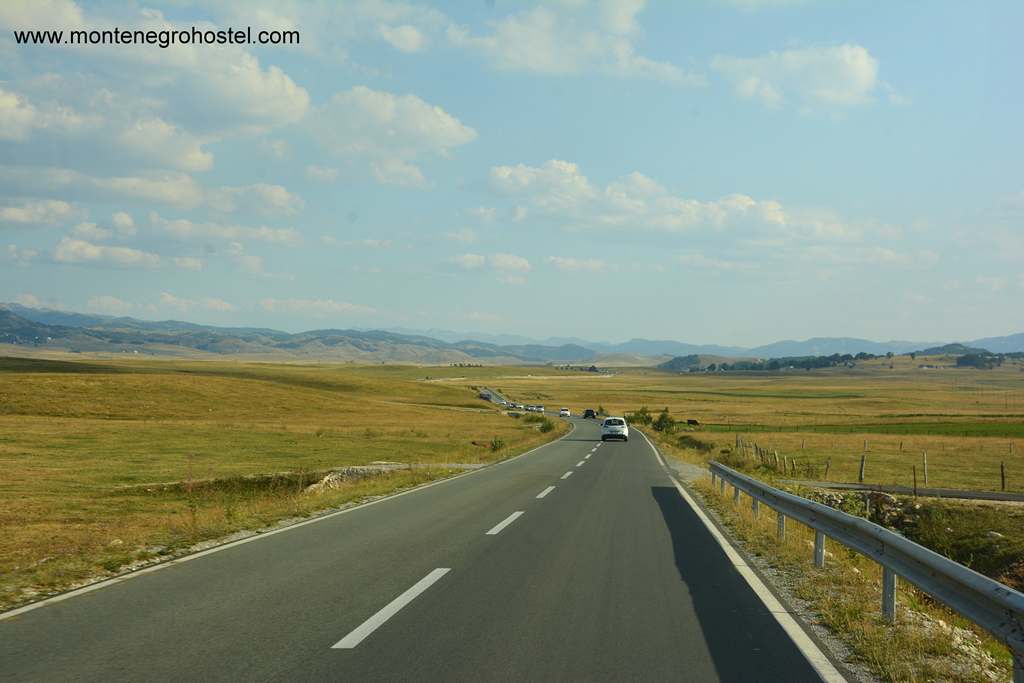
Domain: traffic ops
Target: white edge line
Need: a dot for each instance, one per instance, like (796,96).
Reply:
(808,648)
(567,474)
(258,536)
(587,456)
(391,609)
(546,491)
(581,462)
(496,529)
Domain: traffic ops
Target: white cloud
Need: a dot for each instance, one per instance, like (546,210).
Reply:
(485,214)
(30,300)
(321,174)
(509,262)
(992,283)
(570,38)
(165,144)
(397,172)
(390,131)
(91,231)
(175,189)
(123,223)
(466,236)
(559,190)
(20,256)
(841,75)
(405,37)
(185,305)
(315,307)
(366,242)
(17,117)
(188,263)
(110,305)
(70,250)
(41,212)
(570,264)
(470,261)
(186,229)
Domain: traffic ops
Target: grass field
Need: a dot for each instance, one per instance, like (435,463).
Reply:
(967,421)
(86,448)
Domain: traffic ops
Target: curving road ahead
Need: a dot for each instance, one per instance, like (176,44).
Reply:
(578,561)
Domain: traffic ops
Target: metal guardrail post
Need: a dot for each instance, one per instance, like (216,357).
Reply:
(888,594)
(754,506)
(782,527)
(1018,666)
(819,549)
(735,494)
(721,485)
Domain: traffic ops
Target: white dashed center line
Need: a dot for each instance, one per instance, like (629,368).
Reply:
(587,456)
(580,463)
(546,491)
(504,523)
(392,608)
(567,474)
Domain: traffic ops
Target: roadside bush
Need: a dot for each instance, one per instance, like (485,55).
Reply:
(546,425)
(641,417)
(534,418)
(664,423)
(496,445)
(601,410)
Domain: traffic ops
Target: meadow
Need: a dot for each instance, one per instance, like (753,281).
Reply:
(967,421)
(108,463)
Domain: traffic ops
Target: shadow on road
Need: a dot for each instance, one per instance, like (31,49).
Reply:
(744,639)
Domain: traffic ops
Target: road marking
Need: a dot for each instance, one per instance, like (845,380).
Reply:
(546,491)
(390,610)
(587,456)
(258,536)
(567,474)
(580,463)
(504,523)
(808,648)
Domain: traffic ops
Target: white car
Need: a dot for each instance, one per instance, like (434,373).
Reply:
(614,428)
(564,412)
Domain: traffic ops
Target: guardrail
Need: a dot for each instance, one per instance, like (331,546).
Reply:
(997,608)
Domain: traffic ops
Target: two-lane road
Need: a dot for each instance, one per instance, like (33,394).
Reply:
(579,561)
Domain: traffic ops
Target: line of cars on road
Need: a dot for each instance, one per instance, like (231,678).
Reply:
(611,427)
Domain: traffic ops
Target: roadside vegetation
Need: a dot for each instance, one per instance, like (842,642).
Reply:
(110,463)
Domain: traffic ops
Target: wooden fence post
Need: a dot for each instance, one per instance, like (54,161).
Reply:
(925,456)
(915,481)
(828,464)
(863,457)
(1002,476)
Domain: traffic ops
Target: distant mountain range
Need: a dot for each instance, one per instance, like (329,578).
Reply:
(70,331)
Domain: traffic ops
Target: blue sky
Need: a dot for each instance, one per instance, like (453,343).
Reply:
(710,171)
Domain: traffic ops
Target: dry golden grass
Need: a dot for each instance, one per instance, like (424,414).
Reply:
(846,595)
(824,416)
(80,442)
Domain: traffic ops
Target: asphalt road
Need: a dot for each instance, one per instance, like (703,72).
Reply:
(609,576)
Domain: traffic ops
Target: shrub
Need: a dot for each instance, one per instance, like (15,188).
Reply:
(664,423)
(496,445)
(687,441)
(546,425)
(641,417)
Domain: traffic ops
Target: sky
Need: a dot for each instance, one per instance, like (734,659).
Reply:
(727,171)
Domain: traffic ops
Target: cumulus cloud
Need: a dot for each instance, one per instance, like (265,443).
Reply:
(509,263)
(389,131)
(559,190)
(20,256)
(466,236)
(188,263)
(38,212)
(183,228)
(470,261)
(91,231)
(71,250)
(162,187)
(842,75)
(315,307)
(123,223)
(571,38)
(571,264)
(703,262)
(404,37)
